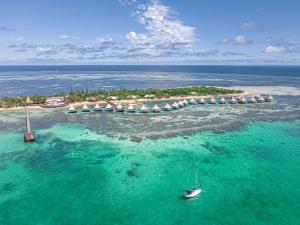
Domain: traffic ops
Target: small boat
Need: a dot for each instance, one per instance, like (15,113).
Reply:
(193,192)
(120,108)
(167,107)
(180,103)
(252,100)
(97,108)
(185,102)
(144,109)
(131,109)
(72,109)
(155,109)
(85,108)
(109,108)
(192,101)
(212,101)
(242,100)
(202,101)
(269,98)
(232,100)
(260,99)
(222,101)
(175,105)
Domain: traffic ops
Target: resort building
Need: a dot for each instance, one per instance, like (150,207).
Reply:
(155,109)
(120,108)
(131,108)
(167,107)
(97,107)
(144,109)
(72,109)
(85,108)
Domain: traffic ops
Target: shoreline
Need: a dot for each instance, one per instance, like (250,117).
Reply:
(124,102)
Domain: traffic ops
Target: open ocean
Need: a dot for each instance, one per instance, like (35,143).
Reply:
(113,168)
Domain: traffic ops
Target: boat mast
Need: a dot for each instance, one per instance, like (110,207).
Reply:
(196,178)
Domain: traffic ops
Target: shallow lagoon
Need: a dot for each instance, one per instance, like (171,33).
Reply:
(72,175)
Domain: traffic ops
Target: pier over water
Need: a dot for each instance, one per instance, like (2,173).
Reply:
(29,136)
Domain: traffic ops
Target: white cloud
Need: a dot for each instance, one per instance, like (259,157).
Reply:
(275,49)
(64,36)
(241,40)
(248,25)
(225,40)
(127,2)
(164,31)
(20,39)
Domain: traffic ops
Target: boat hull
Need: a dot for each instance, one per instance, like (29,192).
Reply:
(193,193)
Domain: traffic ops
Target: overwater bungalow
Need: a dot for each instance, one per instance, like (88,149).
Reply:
(167,107)
(202,101)
(144,109)
(212,101)
(269,98)
(260,99)
(120,108)
(185,102)
(180,104)
(252,100)
(192,101)
(232,100)
(155,109)
(109,108)
(175,105)
(85,108)
(72,109)
(222,101)
(97,108)
(131,109)
(242,100)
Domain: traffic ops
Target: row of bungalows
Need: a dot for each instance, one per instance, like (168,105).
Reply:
(170,106)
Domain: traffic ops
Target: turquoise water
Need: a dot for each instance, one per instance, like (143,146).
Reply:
(74,175)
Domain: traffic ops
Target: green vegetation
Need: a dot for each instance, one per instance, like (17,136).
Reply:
(77,96)
(8,102)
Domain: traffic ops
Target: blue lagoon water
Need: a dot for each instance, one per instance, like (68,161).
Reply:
(112,168)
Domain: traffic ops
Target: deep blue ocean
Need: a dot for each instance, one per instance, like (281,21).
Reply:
(49,80)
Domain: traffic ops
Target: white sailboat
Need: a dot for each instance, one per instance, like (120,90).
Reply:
(193,192)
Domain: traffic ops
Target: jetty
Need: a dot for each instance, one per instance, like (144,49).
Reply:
(29,136)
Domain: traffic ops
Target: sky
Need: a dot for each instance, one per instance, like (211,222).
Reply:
(150,32)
